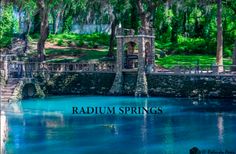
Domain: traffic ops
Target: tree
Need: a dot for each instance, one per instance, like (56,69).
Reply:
(219,52)
(234,57)
(43,6)
(117,9)
(147,10)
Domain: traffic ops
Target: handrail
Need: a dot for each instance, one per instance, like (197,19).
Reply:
(19,69)
(28,69)
(200,69)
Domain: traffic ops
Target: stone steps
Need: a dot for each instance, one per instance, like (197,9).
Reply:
(8,90)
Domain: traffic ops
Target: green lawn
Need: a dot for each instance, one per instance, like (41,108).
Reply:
(51,52)
(188,60)
(81,40)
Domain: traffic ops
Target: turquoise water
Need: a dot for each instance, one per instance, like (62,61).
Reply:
(47,126)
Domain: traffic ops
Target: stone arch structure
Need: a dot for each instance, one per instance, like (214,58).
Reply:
(130,58)
(28,90)
(145,59)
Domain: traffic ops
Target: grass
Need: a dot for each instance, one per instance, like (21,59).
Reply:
(52,52)
(188,60)
(192,46)
(74,42)
(80,40)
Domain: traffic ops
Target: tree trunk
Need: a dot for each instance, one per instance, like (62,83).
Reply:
(174,25)
(28,24)
(219,52)
(56,19)
(134,16)
(44,29)
(36,23)
(184,23)
(112,38)
(234,54)
(234,58)
(56,26)
(174,32)
(143,15)
(20,19)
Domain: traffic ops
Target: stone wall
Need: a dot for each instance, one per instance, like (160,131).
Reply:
(77,84)
(158,85)
(192,86)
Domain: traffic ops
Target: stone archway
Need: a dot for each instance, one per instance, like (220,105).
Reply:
(29,90)
(130,55)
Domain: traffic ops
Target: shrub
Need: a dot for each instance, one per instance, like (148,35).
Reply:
(61,43)
(80,43)
(228,52)
(5,41)
(97,39)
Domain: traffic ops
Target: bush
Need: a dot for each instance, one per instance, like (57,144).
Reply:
(5,41)
(80,43)
(228,52)
(35,36)
(91,40)
(61,43)
(191,46)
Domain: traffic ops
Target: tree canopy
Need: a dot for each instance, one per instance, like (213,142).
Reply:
(181,26)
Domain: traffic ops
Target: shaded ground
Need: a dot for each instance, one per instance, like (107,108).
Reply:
(56,53)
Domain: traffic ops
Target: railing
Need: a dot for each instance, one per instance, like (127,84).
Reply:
(16,69)
(28,69)
(199,69)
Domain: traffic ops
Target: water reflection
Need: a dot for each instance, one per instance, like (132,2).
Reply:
(53,119)
(220,126)
(48,126)
(4,131)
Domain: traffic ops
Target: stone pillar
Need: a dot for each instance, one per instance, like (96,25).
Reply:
(153,50)
(116,88)
(141,85)
(151,66)
(23,65)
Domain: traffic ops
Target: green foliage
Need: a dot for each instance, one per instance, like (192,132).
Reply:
(181,27)
(68,24)
(35,36)
(53,52)
(191,46)
(6,25)
(61,42)
(5,41)
(81,40)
